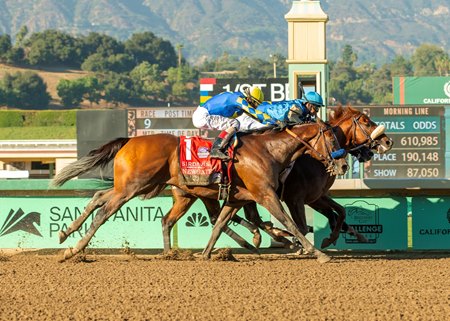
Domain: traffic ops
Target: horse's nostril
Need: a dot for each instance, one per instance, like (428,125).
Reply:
(344,168)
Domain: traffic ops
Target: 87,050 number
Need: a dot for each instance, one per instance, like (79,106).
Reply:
(422,172)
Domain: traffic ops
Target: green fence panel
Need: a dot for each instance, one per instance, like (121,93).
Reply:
(194,229)
(431,223)
(34,222)
(383,221)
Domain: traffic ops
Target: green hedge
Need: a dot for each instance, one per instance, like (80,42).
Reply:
(11,118)
(22,118)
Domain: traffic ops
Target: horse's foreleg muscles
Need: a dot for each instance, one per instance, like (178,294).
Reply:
(103,214)
(224,217)
(182,203)
(97,200)
(273,205)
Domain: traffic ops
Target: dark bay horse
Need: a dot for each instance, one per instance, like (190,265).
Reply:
(308,182)
(145,165)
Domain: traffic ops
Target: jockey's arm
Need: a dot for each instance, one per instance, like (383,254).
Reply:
(254,113)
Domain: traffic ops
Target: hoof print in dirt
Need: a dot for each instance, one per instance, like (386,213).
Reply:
(178,255)
(224,255)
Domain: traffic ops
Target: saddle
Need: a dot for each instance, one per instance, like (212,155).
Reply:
(198,169)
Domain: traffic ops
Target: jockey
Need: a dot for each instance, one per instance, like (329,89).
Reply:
(294,111)
(220,113)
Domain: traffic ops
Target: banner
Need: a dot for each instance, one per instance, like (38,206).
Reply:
(421,90)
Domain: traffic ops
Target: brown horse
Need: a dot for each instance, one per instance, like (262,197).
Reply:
(308,182)
(145,165)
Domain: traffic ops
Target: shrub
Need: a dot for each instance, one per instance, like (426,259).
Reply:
(11,118)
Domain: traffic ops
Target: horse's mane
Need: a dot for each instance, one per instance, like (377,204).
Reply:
(339,112)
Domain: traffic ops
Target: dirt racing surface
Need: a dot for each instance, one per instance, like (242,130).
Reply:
(386,286)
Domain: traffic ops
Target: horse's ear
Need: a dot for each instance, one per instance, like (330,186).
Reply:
(332,114)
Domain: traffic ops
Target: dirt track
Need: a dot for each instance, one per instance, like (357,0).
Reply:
(394,286)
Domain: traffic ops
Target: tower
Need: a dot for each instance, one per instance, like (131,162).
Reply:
(307,57)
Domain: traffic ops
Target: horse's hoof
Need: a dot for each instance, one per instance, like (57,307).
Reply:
(257,240)
(267,225)
(325,243)
(62,236)
(68,253)
(323,258)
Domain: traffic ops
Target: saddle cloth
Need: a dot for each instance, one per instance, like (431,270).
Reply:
(196,168)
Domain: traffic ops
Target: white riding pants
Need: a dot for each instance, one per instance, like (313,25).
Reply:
(202,119)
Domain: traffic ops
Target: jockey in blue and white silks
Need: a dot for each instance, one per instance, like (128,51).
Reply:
(234,111)
(293,111)
(228,112)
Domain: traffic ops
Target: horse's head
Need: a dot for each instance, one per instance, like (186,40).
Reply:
(360,132)
(322,144)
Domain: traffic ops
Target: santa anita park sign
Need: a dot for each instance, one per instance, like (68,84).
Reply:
(34,222)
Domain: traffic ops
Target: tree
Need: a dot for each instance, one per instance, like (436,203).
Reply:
(148,81)
(96,63)
(146,46)
(118,88)
(424,59)
(442,64)
(5,47)
(71,92)
(25,90)
(401,67)
(101,44)
(20,37)
(53,47)
(92,89)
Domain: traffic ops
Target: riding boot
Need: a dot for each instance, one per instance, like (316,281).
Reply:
(219,145)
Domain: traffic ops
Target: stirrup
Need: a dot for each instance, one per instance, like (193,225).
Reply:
(224,192)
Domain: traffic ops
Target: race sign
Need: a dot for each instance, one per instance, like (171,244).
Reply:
(274,89)
(170,120)
(418,133)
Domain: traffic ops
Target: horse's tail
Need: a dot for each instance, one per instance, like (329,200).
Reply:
(97,157)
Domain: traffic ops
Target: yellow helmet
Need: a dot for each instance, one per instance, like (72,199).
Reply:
(255,93)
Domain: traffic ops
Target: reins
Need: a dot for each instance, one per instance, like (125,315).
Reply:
(328,160)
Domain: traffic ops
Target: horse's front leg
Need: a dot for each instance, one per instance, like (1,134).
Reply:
(271,202)
(213,208)
(278,235)
(182,203)
(224,217)
(328,207)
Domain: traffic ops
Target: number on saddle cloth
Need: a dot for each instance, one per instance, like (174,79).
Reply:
(196,167)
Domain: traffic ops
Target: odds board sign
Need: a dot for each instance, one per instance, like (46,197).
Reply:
(274,89)
(419,136)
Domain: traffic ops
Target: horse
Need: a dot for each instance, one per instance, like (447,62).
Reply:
(308,182)
(145,165)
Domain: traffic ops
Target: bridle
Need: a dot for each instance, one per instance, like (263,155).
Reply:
(370,141)
(328,160)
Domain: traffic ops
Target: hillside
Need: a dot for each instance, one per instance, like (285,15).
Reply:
(377,30)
